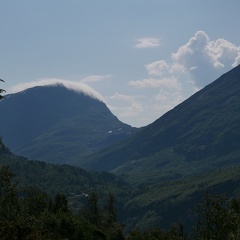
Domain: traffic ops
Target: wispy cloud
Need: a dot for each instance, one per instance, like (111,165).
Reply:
(126,105)
(147,42)
(167,99)
(133,109)
(96,78)
(169,83)
(124,97)
(75,86)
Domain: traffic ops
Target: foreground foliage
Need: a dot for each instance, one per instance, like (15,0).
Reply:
(29,213)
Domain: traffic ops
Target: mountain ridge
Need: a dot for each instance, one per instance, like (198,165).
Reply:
(202,127)
(53,123)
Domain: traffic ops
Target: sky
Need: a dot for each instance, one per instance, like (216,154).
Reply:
(141,57)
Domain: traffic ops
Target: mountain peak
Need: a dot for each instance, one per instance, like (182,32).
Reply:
(75,86)
(54,123)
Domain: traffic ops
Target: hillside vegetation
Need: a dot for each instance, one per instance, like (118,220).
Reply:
(140,205)
(27,212)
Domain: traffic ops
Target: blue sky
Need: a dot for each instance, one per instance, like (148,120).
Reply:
(141,57)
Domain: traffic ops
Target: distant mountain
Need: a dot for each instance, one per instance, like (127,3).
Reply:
(53,124)
(200,134)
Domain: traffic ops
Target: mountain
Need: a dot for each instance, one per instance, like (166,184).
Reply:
(166,166)
(200,134)
(53,124)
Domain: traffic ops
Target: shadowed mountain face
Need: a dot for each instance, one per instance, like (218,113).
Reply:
(54,124)
(200,133)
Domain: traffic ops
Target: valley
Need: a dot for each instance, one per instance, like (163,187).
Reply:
(158,173)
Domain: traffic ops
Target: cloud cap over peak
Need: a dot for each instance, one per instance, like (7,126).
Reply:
(75,86)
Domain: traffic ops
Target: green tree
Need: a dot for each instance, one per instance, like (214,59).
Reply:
(9,202)
(59,204)
(2,146)
(109,214)
(1,97)
(218,218)
(33,201)
(93,208)
(2,91)
(109,222)
(110,208)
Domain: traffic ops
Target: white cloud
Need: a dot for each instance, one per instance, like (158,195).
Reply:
(133,109)
(205,60)
(125,105)
(126,111)
(75,86)
(166,100)
(147,42)
(237,59)
(169,83)
(96,78)
(160,68)
(201,60)
(124,97)
(195,64)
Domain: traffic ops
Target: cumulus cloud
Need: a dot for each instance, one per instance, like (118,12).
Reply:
(147,42)
(160,68)
(195,64)
(201,60)
(75,86)
(206,59)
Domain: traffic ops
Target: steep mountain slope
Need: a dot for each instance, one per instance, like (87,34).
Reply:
(201,133)
(53,123)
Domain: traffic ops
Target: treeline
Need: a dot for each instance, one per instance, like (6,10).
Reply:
(29,213)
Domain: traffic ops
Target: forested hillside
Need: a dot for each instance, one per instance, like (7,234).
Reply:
(139,206)
(30,213)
